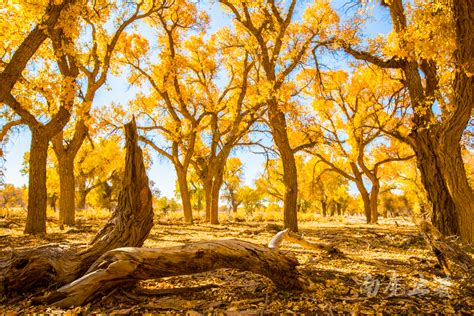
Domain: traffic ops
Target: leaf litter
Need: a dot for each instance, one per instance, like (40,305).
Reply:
(384,269)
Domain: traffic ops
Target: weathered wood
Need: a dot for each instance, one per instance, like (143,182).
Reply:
(276,241)
(129,225)
(120,266)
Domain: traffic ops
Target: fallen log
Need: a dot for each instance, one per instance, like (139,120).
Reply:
(54,265)
(121,266)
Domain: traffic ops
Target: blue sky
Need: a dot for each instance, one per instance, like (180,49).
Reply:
(162,171)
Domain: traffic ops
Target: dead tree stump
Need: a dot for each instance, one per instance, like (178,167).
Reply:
(129,225)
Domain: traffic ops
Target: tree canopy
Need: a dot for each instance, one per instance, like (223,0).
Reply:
(338,114)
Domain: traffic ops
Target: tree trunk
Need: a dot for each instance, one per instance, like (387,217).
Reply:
(444,210)
(66,152)
(455,173)
(290,177)
(443,177)
(129,225)
(185,196)
(213,181)
(37,192)
(374,196)
(199,203)
(216,188)
(235,207)
(324,208)
(233,201)
(214,219)
(365,199)
(459,188)
(208,198)
(66,190)
(442,174)
(82,193)
(120,266)
(437,145)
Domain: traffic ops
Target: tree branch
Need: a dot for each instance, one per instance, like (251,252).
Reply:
(394,62)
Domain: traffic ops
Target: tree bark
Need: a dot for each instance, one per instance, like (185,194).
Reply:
(185,196)
(444,216)
(207,185)
(212,175)
(459,188)
(233,201)
(443,177)
(67,211)
(120,266)
(216,188)
(129,225)
(371,174)
(82,193)
(324,208)
(365,198)
(37,192)
(66,154)
(290,179)
(199,204)
(374,196)
(456,179)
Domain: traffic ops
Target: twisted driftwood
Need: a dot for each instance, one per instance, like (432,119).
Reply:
(124,266)
(121,266)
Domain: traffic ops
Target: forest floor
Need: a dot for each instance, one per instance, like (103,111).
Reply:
(384,269)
